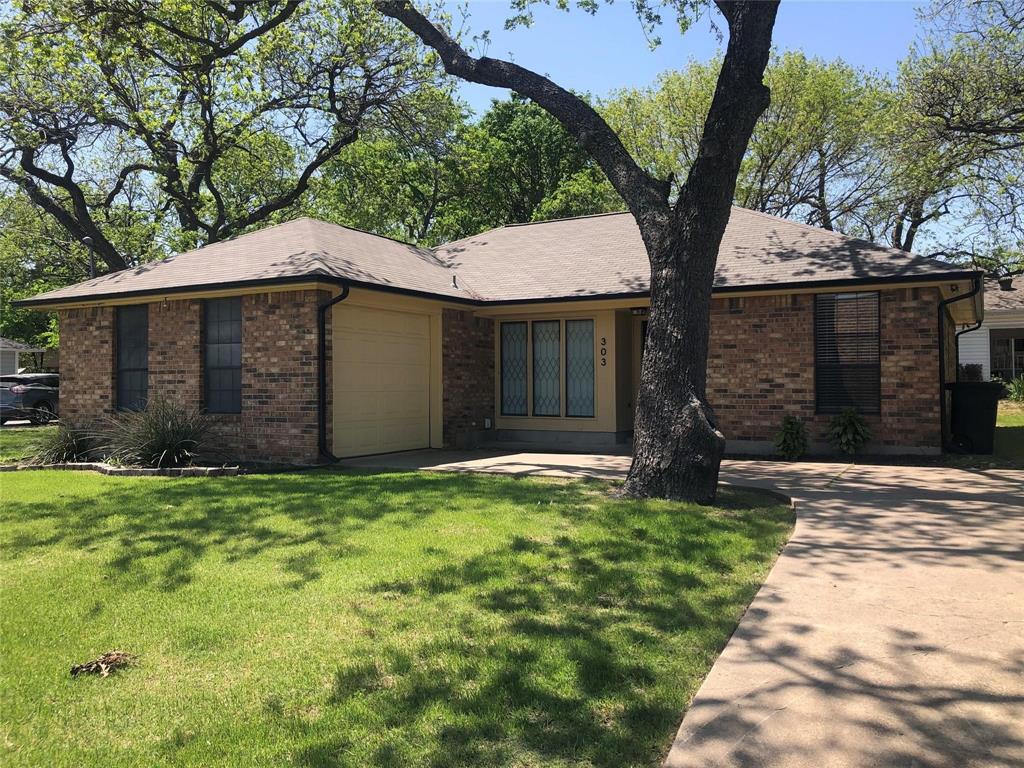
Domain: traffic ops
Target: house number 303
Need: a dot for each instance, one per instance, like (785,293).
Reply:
(604,351)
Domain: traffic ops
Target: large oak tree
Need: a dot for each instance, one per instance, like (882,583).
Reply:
(677,445)
(208,118)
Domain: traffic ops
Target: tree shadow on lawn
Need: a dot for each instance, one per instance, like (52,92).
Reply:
(572,650)
(179,522)
(582,645)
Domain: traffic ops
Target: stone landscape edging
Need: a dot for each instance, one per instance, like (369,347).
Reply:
(110,469)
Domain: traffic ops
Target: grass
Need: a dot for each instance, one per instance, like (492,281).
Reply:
(340,619)
(20,443)
(1009,443)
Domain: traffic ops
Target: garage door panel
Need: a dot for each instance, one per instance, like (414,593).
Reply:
(381,381)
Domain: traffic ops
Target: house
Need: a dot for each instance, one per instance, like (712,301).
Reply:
(997,345)
(310,339)
(10,351)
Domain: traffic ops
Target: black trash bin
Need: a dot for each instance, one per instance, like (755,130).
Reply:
(973,414)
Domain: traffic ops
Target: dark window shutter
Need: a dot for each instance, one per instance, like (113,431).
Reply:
(847,361)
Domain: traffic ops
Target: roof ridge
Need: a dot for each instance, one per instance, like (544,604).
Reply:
(812,228)
(563,218)
(367,232)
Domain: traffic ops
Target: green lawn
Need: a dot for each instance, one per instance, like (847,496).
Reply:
(19,443)
(336,619)
(1009,444)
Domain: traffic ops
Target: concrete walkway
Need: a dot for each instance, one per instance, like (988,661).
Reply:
(889,633)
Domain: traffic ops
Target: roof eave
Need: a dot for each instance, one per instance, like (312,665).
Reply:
(41,303)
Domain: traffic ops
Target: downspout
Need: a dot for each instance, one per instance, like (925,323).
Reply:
(322,311)
(943,303)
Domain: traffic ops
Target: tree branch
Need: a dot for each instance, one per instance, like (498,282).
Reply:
(646,196)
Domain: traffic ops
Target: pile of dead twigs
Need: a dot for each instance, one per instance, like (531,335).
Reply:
(104,664)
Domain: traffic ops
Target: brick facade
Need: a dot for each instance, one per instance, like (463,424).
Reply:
(761,368)
(278,421)
(87,365)
(467,352)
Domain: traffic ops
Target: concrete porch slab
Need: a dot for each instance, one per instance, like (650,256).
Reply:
(570,465)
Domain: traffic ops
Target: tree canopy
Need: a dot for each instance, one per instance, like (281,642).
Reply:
(206,119)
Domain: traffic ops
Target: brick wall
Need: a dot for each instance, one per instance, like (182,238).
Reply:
(467,350)
(761,367)
(87,365)
(175,357)
(278,421)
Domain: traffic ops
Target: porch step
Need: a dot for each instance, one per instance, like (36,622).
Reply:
(530,447)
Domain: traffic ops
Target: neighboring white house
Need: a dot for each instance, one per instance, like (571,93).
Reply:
(998,345)
(9,351)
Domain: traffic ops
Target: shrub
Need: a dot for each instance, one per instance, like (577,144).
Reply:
(65,445)
(161,435)
(1015,390)
(847,432)
(970,372)
(791,441)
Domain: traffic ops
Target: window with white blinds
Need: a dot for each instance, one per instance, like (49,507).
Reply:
(847,361)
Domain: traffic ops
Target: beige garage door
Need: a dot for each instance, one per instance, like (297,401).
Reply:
(381,381)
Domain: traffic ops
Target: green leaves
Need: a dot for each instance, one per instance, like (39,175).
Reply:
(207,118)
(453,178)
(848,432)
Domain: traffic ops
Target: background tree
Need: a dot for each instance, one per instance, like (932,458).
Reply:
(963,85)
(205,117)
(813,155)
(677,446)
(451,177)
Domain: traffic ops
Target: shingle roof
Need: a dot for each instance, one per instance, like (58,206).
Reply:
(588,256)
(999,300)
(604,254)
(303,249)
(17,346)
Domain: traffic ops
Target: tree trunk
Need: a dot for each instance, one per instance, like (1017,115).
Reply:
(677,446)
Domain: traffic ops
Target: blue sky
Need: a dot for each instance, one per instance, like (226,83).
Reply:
(597,54)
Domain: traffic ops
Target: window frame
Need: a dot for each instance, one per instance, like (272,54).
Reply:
(501,369)
(819,367)
(563,384)
(234,301)
(122,322)
(593,366)
(560,374)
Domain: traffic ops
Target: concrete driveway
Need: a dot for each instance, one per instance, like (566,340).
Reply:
(889,633)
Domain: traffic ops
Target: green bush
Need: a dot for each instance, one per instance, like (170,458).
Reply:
(65,445)
(1015,390)
(791,441)
(161,435)
(847,432)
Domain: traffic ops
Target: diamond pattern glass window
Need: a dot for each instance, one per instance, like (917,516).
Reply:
(513,369)
(222,355)
(132,357)
(579,367)
(547,400)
